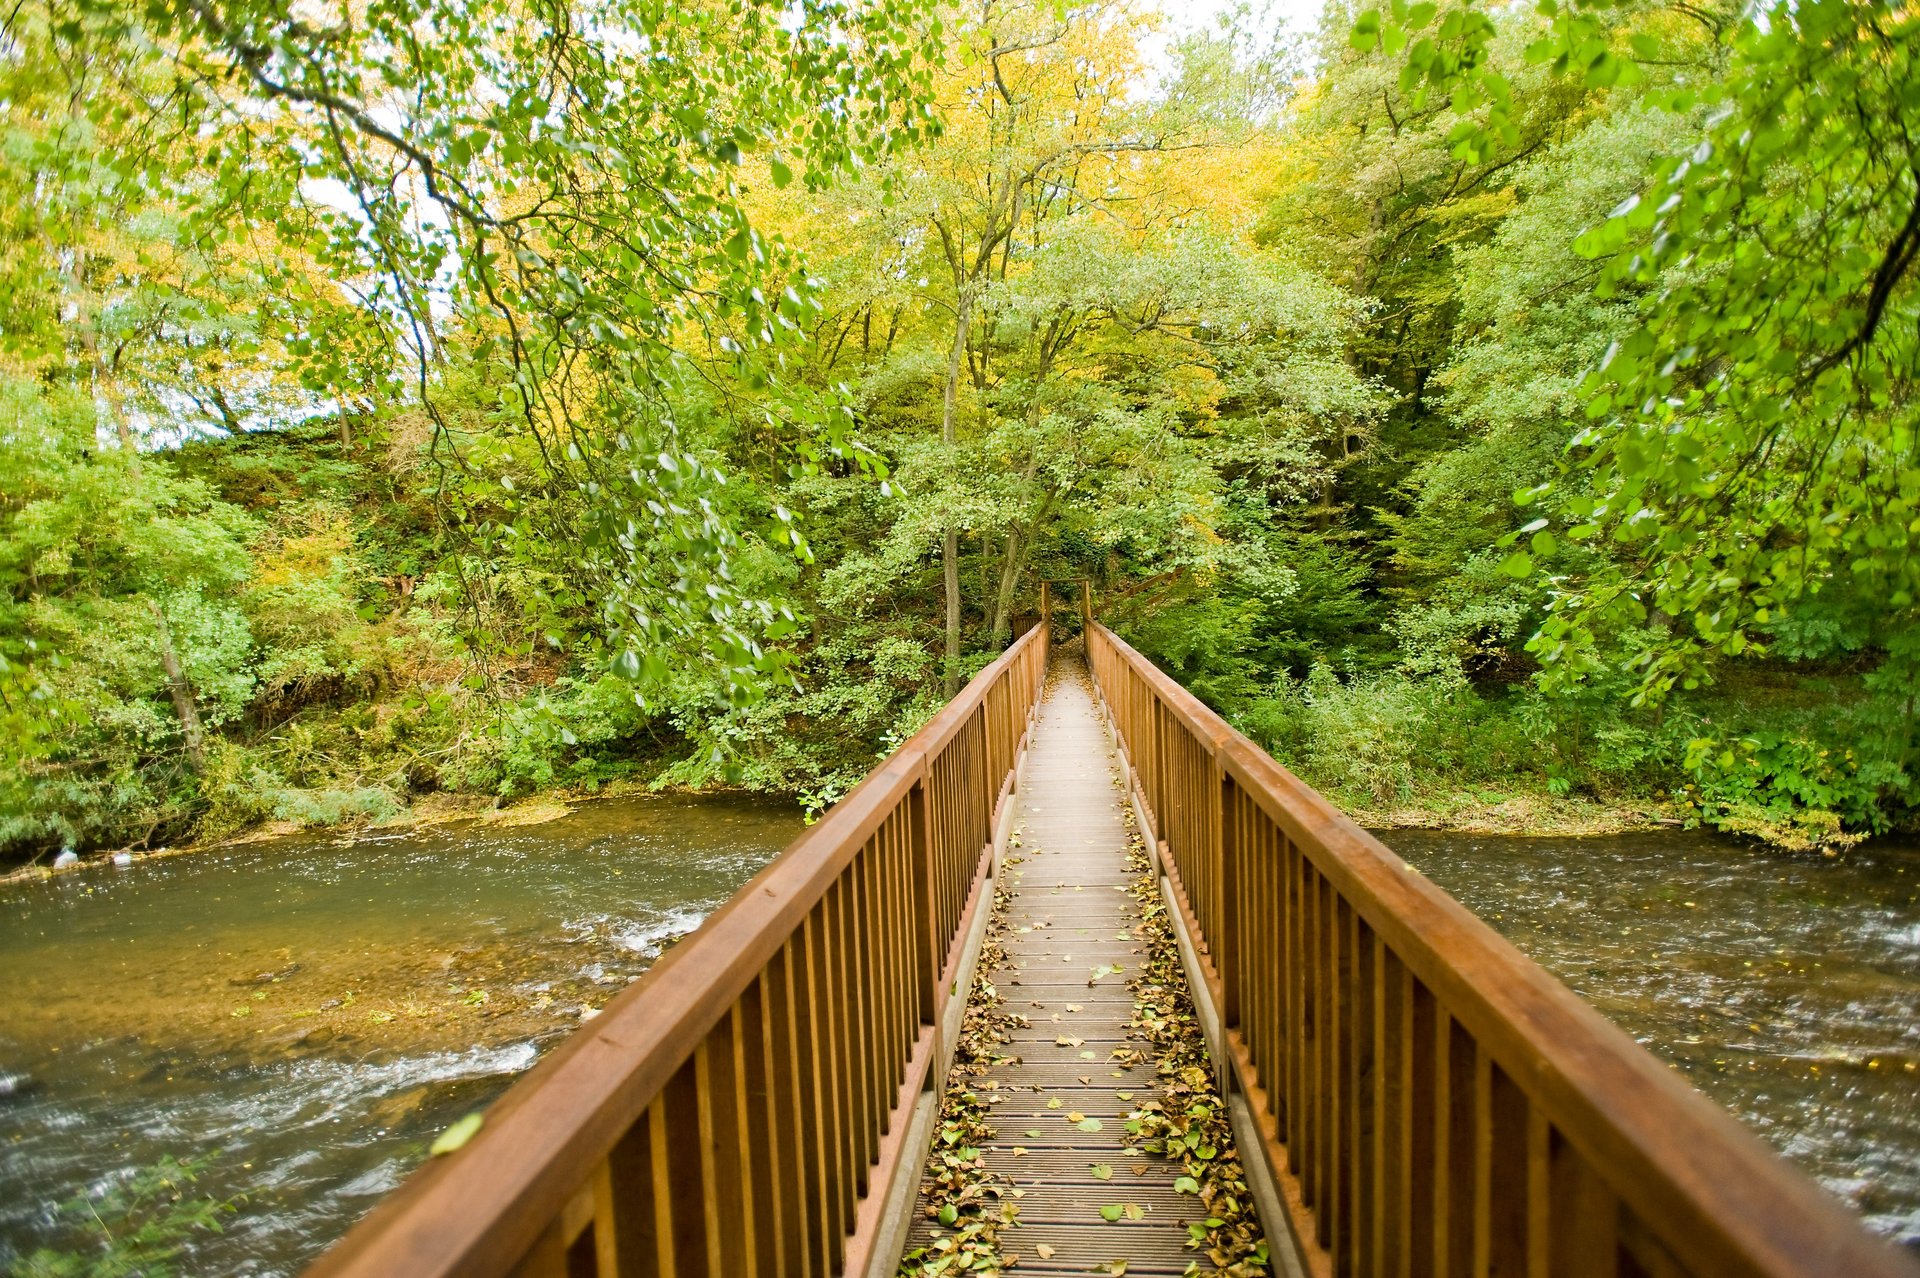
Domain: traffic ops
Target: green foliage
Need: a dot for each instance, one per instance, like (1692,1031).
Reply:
(136,1226)
(105,562)
(444,401)
(1748,455)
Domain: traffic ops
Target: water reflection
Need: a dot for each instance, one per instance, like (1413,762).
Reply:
(312,1012)
(1785,987)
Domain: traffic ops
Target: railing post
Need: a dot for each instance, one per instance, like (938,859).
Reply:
(1226,949)
(1086,603)
(926,895)
(1046,603)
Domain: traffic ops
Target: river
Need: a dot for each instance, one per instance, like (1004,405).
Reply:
(1785,986)
(309,1012)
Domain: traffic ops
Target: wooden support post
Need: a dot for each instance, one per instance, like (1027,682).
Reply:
(926,892)
(1086,602)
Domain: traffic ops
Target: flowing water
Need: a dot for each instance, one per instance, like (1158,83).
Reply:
(1785,987)
(310,1012)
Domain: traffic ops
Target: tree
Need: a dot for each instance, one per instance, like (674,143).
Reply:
(554,196)
(1039,113)
(1751,433)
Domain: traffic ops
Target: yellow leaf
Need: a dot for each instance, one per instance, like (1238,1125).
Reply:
(457,1135)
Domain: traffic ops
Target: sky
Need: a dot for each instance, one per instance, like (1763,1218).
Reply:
(1188,15)
(1271,18)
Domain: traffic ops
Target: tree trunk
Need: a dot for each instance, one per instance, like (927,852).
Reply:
(1009,573)
(182,691)
(950,543)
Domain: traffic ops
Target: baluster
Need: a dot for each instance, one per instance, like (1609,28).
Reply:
(1393,1113)
(1295,1038)
(769,1172)
(1339,1074)
(1227,962)
(1425,1174)
(1511,1171)
(1361,1114)
(1583,1215)
(1457,1153)
(721,1078)
(814,1057)
(684,1169)
(801,1192)
(830,965)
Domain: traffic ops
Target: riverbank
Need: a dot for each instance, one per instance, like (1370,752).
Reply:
(432,810)
(1523,813)
(1515,813)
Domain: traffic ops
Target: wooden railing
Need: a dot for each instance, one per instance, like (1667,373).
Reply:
(741,1109)
(1429,1100)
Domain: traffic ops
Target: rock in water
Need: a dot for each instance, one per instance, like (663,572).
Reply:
(268,978)
(12,1085)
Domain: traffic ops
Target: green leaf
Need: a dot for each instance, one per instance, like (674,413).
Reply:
(1366,31)
(457,1135)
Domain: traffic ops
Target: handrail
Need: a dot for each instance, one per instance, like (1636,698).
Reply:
(1431,1100)
(741,1109)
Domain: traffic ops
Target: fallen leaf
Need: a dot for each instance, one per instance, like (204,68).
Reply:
(457,1135)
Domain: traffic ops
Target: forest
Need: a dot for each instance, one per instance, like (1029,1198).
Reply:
(1500,413)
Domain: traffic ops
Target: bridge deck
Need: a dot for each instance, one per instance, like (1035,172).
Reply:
(1070,920)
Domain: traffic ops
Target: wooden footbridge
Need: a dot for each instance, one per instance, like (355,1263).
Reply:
(1410,1095)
